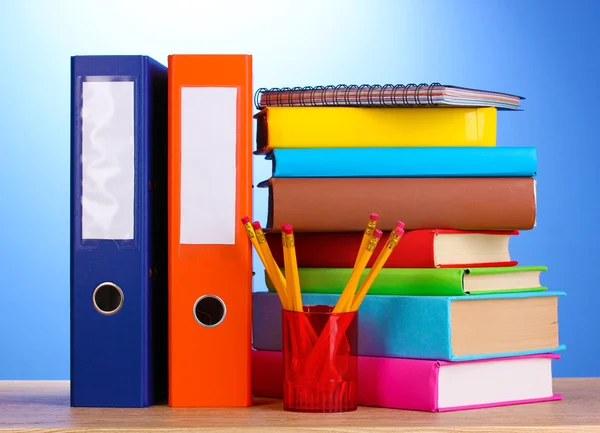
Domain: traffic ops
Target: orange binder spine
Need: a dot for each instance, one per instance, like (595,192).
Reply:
(210,258)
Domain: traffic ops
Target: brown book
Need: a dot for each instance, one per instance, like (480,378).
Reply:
(344,204)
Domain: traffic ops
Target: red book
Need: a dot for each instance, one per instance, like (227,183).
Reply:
(417,249)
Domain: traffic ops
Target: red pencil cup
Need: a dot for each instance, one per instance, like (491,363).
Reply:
(319,360)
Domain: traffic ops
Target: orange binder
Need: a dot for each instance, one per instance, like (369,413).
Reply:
(210,258)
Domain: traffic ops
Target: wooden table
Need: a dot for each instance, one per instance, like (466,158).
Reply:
(42,406)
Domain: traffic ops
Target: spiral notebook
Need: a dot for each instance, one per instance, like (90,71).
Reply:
(388,95)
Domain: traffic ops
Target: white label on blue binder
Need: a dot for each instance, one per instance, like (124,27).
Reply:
(208,165)
(107,153)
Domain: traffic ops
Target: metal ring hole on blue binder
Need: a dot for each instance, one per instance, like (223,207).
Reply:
(209,310)
(107,298)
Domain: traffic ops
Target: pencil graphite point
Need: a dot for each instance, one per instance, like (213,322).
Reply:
(287,229)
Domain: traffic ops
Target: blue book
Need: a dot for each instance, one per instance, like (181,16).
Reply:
(405,162)
(449,328)
(118,231)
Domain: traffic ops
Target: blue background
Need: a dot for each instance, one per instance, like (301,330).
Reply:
(545,51)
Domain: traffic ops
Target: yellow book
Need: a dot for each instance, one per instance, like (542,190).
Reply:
(309,127)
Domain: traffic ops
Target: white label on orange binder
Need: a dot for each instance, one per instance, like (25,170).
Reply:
(107,160)
(208,165)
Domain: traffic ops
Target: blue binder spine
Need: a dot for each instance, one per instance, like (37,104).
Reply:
(157,230)
(118,231)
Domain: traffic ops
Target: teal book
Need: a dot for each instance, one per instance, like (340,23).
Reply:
(495,161)
(449,328)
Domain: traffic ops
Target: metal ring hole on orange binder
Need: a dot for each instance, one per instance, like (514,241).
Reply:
(107,298)
(209,310)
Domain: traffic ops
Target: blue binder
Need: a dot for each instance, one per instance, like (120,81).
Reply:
(118,231)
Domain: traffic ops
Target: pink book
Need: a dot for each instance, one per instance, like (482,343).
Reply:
(433,386)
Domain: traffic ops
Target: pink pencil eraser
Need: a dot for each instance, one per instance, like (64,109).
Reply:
(245,220)
(287,229)
(374,216)
(377,233)
(399,232)
(256,225)
(400,225)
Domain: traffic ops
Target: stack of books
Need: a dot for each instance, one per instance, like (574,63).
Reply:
(451,321)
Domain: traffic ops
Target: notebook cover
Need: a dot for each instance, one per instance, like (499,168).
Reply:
(404,326)
(393,383)
(404,281)
(310,127)
(405,162)
(344,204)
(388,95)
(338,249)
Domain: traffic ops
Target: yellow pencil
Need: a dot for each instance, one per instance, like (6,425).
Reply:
(345,301)
(259,242)
(391,243)
(371,226)
(343,305)
(271,266)
(252,236)
(292,278)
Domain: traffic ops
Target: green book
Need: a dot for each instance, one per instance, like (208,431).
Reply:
(425,281)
